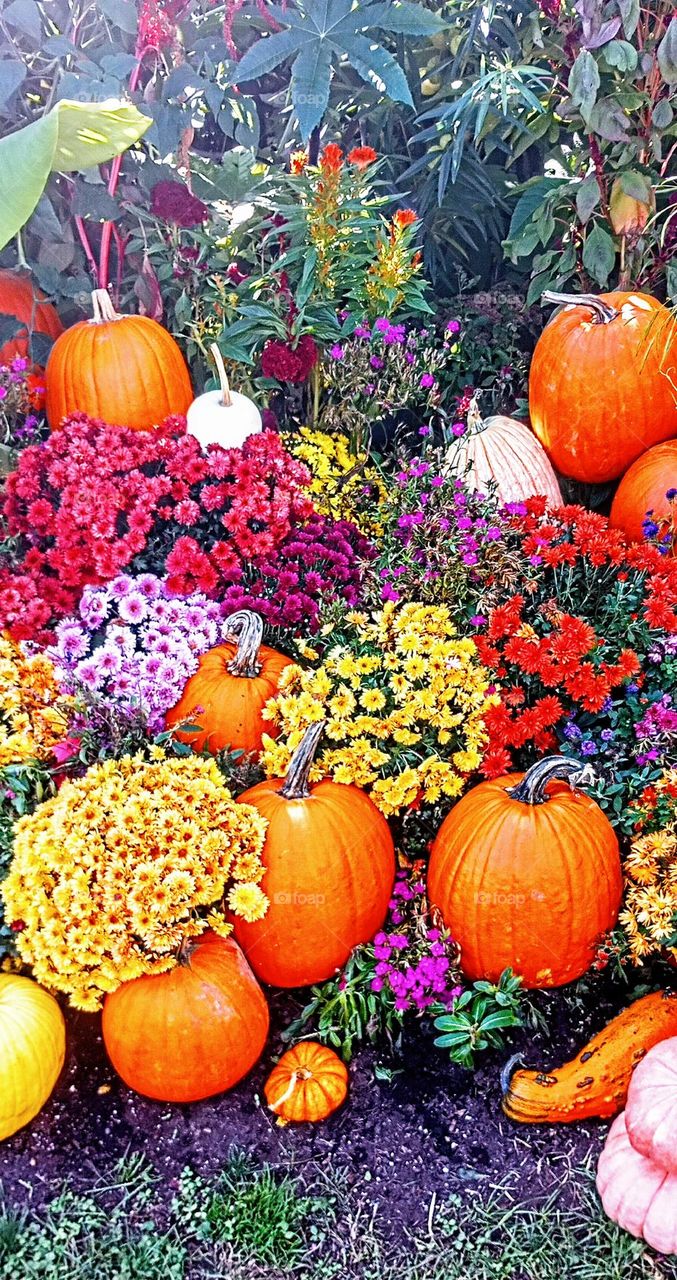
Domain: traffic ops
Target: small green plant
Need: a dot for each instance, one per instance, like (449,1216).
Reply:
(478,1017)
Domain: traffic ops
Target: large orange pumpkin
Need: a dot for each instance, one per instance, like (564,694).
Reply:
(126,370)
(505,453)
(192,1032)
(644,488)
(603,383)
(526,873)
(230,688)
(21,298)
(330,868)
(308,1083)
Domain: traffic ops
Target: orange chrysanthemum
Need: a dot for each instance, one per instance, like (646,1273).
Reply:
(362,157)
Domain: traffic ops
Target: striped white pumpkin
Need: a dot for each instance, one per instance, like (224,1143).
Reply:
(504,451)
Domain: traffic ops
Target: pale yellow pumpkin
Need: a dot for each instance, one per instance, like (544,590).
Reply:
(32,1050)
(504,452)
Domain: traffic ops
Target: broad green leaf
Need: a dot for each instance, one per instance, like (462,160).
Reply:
(25,16)
(599,254)
(73,135)
(587,197)
(122,13)
(584,82)
(378,67)
(662,114)
(403,18)
(621,55)
(530,200)
(12,74)
(310,82)
(636,185)
(268,53)
(629,10)
(667,54)
(609,120)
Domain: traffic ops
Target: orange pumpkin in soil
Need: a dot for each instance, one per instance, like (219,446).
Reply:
(192,1032)
(21,298)
(227,693)
(644,488)
(126,370)
(330,868)
(603,383)
(308,1083)
(527,875)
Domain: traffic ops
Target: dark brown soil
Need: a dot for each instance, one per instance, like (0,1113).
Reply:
(433,1127)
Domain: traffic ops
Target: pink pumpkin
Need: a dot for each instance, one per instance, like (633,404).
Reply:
(636,1193)
(651,1108)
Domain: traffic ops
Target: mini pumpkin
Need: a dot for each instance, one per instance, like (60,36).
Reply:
(636,1193)
(651,1109)
(644,488)
(526,873)
(330,868)
(505,453)
(32,1050)
(191,1032)
(308,1083)
(222,417)
(225,697)
(126,370)
(602,382)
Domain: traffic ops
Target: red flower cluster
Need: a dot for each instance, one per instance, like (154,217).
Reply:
(287,363)
(173,202)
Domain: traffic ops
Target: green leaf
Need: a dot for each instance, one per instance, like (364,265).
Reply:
(621,55)
(310,81)
(629,10)
(530,200)
(584,82)
(378,67)
(609,121)
(268,53)
(73,135)
(636,185)
(662,114)
(667,54)
(599,254)
(25,16)
(403,18)
(587,197)
(122,13)
(12,74)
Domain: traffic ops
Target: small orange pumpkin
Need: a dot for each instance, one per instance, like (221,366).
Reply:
(191,1032)
(126,370)
(644,488)
(330,867)
(227,693)
(308,1083)
(527,875)
(21,298)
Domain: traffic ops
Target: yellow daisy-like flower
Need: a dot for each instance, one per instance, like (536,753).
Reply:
(248,901)
(649,917)
(33,714)
(343,484)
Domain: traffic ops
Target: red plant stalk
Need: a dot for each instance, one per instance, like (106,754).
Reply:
(116,166)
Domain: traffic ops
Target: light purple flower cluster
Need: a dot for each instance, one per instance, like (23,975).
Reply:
(412,963)
(136,644)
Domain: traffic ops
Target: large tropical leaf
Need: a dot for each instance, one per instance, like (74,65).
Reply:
(73,135)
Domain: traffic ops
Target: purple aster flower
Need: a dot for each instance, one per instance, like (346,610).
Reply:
(453,326)
(133,607)
(336,352)
(426,380)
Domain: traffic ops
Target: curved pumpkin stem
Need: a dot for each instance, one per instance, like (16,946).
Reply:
(533,787)
(475,419)
(226,399)
(602,312)
(508,1070)
(246,627)
(102,307)
(301,1073)
(296,785)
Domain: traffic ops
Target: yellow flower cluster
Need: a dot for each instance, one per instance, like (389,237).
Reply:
(115,871)
(30,719)
(649,916)
(404,702)
(344,485)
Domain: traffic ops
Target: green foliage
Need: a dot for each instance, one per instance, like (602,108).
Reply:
(22,787)
(344,1012)
(478,1018)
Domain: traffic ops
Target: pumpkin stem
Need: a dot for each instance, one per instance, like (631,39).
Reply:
(226,398)
(507,1072)
(185,950)
(102,307)
(475,419)
(533,787)
(602,312)
(296,785)
(246,627)
(301,1073)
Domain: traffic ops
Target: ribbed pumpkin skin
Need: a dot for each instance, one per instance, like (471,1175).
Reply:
(651,1110)
(506,452)
(596,1081)
(309,1082)
(129,372)
(601,394)
(190,1033)
(232,705)
(526,887)
(636,1193)
(643,488)
(32,1050)
(20,297)
(330,868)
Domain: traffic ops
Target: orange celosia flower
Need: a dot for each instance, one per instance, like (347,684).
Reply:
(404,218)
(362,157)
(331,160)
(298,162)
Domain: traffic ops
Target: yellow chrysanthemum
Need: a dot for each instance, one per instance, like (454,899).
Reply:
(32,712)
(344,485)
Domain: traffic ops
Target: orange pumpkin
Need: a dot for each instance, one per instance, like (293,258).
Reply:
(330,868)
(526,873)
(503,452)
(308,1083)
(192,1032)
(126,370)
(230,688)
(20,297)
(603,383)
(644,488)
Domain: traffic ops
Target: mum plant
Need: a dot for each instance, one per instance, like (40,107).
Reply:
(404,697)
(649,915)
(115,873)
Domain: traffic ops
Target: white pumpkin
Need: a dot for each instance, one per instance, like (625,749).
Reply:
(222,417)
(504,451)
